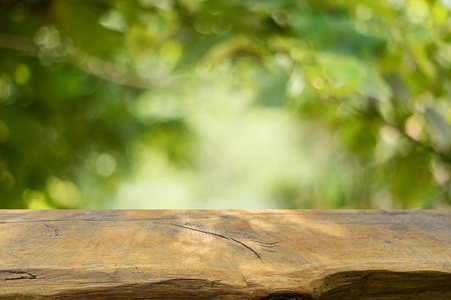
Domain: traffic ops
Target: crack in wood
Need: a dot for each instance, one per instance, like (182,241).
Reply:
(285,296)
(25,275)
(56,231)
(221,236)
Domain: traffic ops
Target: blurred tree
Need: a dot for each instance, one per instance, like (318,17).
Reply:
(375,74)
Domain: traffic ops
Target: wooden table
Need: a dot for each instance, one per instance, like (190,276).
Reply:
(225,254)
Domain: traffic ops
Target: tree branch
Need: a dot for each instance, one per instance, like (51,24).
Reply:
(91,65)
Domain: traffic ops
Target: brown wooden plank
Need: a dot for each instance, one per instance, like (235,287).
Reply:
(225,254)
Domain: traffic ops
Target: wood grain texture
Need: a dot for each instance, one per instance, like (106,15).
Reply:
(225,254)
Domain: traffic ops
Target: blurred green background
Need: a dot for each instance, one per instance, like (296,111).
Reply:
(225,104)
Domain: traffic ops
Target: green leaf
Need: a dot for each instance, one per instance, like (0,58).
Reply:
(80,21)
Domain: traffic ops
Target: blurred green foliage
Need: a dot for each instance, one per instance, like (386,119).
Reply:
(370,78)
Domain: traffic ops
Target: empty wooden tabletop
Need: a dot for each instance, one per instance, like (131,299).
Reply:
(225,254)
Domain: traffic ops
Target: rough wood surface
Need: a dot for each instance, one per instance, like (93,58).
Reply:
(225,254)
